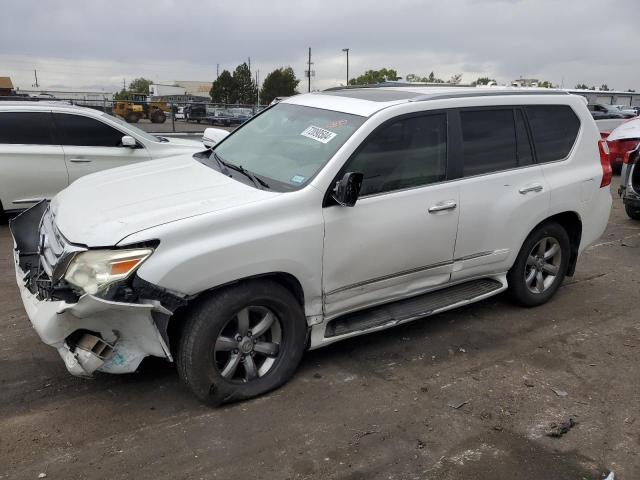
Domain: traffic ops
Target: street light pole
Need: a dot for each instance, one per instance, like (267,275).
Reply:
(347,50)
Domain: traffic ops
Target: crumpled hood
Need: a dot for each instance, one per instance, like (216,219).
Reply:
(103,208)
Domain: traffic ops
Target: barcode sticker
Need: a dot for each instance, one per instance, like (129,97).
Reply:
(319,134)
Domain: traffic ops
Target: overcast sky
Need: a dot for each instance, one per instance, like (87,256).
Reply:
(95,44)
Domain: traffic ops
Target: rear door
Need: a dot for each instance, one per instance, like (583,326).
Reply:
(503,193)
(90,145)
(32,165)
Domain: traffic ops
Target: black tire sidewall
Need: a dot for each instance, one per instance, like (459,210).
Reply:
(195,360)
(632,212)
(516,278)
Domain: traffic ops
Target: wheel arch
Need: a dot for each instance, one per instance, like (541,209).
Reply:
(572,223)
(287,280)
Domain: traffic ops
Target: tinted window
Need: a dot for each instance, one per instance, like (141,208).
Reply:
(554,129)
(488,141)
(32,128)
(407,153)
(525,155)
(85,131)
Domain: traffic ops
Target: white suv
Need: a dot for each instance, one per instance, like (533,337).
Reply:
(326,216)
(44,146)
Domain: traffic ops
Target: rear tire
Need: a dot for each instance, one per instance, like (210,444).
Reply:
(219,357)
(632,212)
(540,266)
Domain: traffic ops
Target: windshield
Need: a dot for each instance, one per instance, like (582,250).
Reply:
(136,130)
(289,143)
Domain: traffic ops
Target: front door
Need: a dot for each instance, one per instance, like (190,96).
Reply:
(91,145)
(398,240)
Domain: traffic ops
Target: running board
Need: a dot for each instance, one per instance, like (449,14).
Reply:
(411,308)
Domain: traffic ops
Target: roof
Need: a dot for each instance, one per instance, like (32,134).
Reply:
(43,104)
(5,82)
(367,100)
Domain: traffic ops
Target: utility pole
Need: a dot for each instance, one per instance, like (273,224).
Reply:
(257,87)
(309,71)
(35,73)
(249,64)
(217,70)
(347,50)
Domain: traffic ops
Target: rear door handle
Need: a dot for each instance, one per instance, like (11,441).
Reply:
(442,206)
(80,160)
(534,187)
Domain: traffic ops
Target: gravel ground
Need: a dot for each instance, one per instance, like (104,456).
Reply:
(378,406)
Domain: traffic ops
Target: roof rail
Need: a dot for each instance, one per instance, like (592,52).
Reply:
(393,84)
(485,93)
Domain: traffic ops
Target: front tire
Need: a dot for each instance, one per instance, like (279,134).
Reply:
(241,342)
(540,266)
(632,212)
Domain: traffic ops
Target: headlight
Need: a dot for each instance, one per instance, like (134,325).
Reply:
(93,270)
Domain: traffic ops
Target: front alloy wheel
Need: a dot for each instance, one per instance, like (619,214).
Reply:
(248,346)
(241,341)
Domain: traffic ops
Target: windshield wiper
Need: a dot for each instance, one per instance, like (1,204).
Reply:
(239,168)
(221,164)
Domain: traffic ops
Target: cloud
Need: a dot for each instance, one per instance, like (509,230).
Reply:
(80,43)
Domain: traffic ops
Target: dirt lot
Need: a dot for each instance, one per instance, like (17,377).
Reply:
(372,407)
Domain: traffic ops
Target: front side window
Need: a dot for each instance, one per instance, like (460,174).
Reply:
(288,144)
(85,131)
(554,129)
(407,153)
(28,128)
(488,141)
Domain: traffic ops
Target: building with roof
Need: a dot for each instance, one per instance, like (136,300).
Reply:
(6,86)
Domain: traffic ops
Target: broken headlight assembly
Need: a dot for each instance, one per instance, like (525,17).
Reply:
(94,270)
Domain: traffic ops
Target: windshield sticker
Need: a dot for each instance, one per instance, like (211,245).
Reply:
(319,134)
(297,179)
(337,123)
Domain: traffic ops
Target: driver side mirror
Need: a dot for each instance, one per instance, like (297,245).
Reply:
(128,141)
(347,189)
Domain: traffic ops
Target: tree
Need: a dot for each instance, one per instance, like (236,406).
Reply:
(604,87)
(282,82)
(224,89)
(483,81)
(140,85)
(581,86)
(455,79)
(631,90)
(375,76)
(121,95)
(246,87)
(545,84)
(431,78)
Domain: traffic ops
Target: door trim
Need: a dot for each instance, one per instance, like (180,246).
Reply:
(408,272)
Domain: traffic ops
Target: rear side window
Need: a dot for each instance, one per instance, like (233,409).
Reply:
(87,132)
(31,128)
(488,141)
(410,152)
(554,129)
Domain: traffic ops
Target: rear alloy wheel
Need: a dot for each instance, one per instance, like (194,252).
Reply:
(242,341)
(632,212)
(540,266)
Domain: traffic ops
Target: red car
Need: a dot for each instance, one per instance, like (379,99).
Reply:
(617,149)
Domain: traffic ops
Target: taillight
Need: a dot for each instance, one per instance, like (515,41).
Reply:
(607,173)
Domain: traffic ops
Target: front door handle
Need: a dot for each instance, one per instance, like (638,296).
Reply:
(442,206)
(80,160)
(534,187)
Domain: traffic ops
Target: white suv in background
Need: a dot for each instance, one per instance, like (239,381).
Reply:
(326,216)
(44,146)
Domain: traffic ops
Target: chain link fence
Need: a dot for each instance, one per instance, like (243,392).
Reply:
(159,116)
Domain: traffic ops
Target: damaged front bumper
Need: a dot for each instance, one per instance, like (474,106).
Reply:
(90,333)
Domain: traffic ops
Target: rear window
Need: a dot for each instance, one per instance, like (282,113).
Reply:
(554,129)
(30,128)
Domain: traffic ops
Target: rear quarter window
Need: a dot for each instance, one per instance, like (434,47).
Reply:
(554,129)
